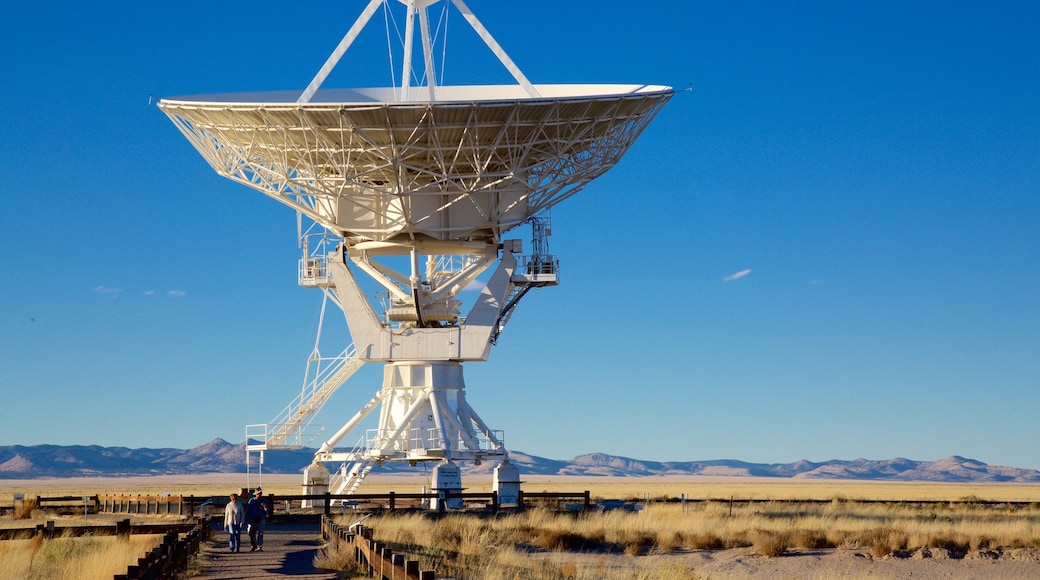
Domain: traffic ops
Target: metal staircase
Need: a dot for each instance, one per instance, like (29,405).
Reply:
(348,481)
(352,471)
(291,429)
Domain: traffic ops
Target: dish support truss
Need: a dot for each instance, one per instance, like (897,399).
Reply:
(423,342)
(441,171)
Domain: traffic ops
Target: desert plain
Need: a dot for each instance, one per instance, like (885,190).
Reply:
(991,561)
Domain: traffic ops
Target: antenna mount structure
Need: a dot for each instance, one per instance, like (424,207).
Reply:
(415,189)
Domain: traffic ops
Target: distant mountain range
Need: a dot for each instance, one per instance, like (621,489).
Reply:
(219,456)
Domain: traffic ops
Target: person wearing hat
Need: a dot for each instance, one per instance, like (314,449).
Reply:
(233,517)
(256,517)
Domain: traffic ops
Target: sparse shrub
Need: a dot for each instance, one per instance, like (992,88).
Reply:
(880,548)
(338,557)
(737,539)
(563,540)
(982,543)
(24,510)
(884,541)
(769,543)
(670,542)
(842,539)
(813,539)
(640,544)
(706,541)
(956,547)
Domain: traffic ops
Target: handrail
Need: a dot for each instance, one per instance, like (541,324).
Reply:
(169,558)
(295,415)
(373,556)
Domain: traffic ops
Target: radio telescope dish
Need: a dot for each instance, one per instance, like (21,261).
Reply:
(471,164)
(438,174)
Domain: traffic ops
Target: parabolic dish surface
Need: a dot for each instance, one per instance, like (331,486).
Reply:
(469,165)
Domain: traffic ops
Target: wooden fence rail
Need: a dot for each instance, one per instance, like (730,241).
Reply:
(193,506)
(380,561)
(391,500)
(169,558)
(49,530)
(174,505)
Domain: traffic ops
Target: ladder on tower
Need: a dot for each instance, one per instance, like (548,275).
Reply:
(352,471)
(349,479)
(290,428)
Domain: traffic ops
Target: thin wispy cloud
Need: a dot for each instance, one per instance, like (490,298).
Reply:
(737,275)
(168,293)
(107,290)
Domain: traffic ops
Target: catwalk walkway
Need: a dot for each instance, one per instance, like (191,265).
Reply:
(289,550)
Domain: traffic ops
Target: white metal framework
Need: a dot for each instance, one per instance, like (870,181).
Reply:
(449,169)
(415,188)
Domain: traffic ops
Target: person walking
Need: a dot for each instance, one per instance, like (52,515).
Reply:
(234,515)
(256,517)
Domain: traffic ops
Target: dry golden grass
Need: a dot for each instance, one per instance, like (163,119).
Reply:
(202,485)
(24,510)
(694,487)
(339,557)
(524,545)
(475,547)
(83,558)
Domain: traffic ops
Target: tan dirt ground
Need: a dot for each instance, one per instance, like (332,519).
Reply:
(813,564)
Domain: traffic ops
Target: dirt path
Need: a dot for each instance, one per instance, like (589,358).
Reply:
(289,550)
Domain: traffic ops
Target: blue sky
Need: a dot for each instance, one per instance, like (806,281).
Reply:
(872,168)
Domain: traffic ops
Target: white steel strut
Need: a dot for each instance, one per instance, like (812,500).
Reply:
(415,9)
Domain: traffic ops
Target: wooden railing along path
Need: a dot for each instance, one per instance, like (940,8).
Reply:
(50,530)
(169,558)
(380,561)
(191,506)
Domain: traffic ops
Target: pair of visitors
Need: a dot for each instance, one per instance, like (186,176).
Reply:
(256,517)
(234,516)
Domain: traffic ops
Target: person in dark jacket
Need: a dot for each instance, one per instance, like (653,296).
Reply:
(256,518)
